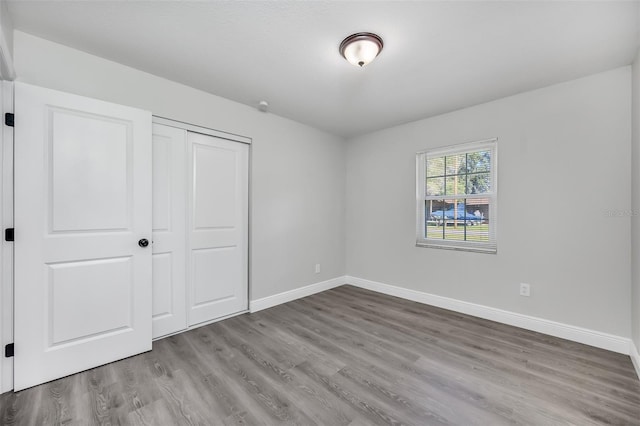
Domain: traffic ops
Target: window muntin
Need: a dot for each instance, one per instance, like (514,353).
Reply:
(456,197)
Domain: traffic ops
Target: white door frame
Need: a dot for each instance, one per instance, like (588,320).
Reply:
(6,248)
(204,130)
(6,221)
(7,74)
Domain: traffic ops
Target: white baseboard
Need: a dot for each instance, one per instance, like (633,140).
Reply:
(635,357)
(288,296)
(552,328)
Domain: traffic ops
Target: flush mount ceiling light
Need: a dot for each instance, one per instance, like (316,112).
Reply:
(361,48)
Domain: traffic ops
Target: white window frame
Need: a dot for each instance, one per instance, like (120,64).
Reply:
(421,197)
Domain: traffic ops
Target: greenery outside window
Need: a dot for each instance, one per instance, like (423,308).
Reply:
(456,196)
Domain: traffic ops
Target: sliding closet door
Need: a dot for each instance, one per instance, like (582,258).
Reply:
(82,231)
(218,225)
(169,229)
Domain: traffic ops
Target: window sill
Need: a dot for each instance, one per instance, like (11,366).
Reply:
(486,250)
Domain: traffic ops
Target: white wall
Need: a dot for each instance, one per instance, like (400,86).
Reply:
(6,26)
(298,173)
(635,219)
(6,43)
(563,164)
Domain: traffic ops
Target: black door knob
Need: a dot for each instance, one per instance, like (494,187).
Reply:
(143,242)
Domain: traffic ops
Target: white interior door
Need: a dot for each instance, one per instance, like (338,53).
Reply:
(218,224)
(169,229)
(82,204)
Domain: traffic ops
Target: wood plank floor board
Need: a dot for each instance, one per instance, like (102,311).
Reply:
(255,382)
(523,337)
(290,345)
(494,358)
(186,403)
(260,359)
(346,356)
(345,332)
(136,370)
(622,384)
(367,408)
(220,377)
(281,376)
(355,345)
(328,372)
(241,419)
(276,375)
(441,384)
(534,364)
(280,355)
(156,413)
(428,403)
(452,322)
(345,338)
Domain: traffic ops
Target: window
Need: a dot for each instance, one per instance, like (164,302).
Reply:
(457,196)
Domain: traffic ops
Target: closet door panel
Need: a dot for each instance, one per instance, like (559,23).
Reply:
(169,230)
(218,222)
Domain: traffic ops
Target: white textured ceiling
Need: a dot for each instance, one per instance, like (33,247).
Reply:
(438,56)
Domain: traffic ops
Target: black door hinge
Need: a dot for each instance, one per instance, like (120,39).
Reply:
(9,234)
(8,350)
(9,119)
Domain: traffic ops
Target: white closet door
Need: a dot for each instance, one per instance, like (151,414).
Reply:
(82,213)
(218,225)
(169,229)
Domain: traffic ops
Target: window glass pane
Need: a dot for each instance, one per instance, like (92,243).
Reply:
(456,216)
(434,210)
(456,164)
(435,186)
(455,185)
(479,229)
(457,220)
(479,161)
(435,166)
(478,183)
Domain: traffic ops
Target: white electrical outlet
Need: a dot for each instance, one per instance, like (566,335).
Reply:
(525,289)
(317,268)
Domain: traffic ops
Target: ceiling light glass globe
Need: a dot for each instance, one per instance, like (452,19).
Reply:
(361,52)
